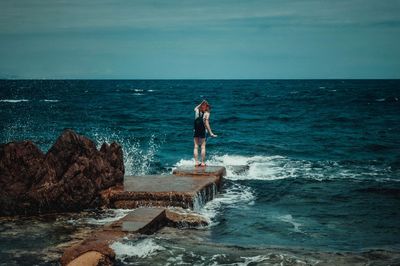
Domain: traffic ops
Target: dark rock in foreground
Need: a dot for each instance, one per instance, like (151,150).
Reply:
(68,178)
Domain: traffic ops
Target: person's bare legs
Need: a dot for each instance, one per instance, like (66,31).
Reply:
(196,151)
(203,152)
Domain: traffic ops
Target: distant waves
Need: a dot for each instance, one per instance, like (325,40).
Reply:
(26,100)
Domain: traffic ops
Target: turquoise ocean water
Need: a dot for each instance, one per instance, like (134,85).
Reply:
(322,158)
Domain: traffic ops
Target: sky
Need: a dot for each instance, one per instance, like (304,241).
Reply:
(189,39)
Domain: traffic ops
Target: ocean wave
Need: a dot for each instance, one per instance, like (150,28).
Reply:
(388,99)
(288,218)
(256,167)
(140,249)
(101,217)
(270,168)
(167,249)
(110,216)
(236,196)
(14,100)
(50,101)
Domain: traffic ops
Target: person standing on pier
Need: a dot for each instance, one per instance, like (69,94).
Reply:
(201,127)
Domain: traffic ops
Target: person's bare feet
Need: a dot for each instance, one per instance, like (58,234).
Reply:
(202,164)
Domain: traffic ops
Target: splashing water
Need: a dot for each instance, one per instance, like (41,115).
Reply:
(140,249)
(138,157)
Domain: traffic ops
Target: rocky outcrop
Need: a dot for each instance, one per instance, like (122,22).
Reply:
(68,177)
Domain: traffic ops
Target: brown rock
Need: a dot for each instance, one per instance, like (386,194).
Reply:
(19,164)
(91,258)
(98,242)
(69,177)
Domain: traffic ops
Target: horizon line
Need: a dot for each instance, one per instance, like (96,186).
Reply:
(55,79)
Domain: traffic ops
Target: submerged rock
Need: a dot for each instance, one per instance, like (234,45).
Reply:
(68,177)
(181,218)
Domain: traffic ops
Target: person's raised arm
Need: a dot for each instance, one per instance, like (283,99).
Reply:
(198,106)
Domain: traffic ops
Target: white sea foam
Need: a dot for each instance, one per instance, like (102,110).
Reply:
(235,196)
(270,168)
(141,249)
(137,156)
(176,260)
(138,94)
(287,218)
(255,259)
(112,216)
(138,90)
(109,216)
(50,101)
(276,259)
(14,100)
(258,167)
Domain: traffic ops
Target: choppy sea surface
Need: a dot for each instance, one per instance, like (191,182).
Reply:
(322,157)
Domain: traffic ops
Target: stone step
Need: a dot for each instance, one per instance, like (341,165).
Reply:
(141,221)
(184,189)
(178,190)
(208,171)
(161,191)
(218,171)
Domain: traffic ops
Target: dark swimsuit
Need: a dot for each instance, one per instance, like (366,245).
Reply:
(199,127)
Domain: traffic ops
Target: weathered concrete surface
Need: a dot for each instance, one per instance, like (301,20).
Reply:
(143,221)
(179,190)
(95,250)
(161,191)
(207,171)
(200,171)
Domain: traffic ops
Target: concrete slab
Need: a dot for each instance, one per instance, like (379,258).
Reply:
(218,171)
(141,220)
(201,172)
(165,183)
(162,191)
(187,188)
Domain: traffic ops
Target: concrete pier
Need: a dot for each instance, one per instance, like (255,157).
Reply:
(188,187)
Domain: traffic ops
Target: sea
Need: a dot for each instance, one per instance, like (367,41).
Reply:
(320,183)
